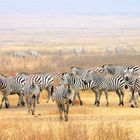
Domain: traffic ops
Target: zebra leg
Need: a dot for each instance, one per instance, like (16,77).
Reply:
(96,98)
(29,105)
(122,93)
(99,96)
(73,102)
(21,100)
(50,92)
(78,95)
(37,99)
(119,95)
(7,105)
(66,109)
(2,102)
(60,110)
(33,110)
(106,95)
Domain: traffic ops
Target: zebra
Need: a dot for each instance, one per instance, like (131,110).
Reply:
(44,81)
(11,85)
(119,70)
(63,98)
(107,84)
(134,82)
(19,54)
(32,53)
(31,91)
(78,71)
(135,90)
(77,83)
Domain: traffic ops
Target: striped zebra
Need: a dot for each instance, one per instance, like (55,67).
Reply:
(97,84)
(78,71)
(105,84)
(19,54)
(77,83)
(63,98)
(9,86)
(134,83)
(44,81)
(119,70)
(31,91)
(135,90)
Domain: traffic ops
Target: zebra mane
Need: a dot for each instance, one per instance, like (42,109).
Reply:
(107,65)
(24,73)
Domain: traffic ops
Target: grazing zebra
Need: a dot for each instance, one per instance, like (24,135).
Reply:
(19,54)
(31,91)
(119,70)
(63,97)
(11,85)
(106,84)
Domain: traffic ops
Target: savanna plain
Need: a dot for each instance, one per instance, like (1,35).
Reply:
(85,122)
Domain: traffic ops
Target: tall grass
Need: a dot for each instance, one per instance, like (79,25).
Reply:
(53,63)
(63,131)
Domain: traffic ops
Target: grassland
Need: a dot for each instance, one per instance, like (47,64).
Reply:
(86,122)
(47,34)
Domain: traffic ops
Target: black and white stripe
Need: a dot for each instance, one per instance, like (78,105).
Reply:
(11,85)
(77,83)
(63,97)
(120,70)
(31,91)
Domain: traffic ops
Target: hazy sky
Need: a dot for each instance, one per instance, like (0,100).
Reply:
(71,6)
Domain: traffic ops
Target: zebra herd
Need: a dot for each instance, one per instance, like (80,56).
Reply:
(98,79)
(25,54)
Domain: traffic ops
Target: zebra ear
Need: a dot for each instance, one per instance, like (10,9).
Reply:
(62,74)
(72,67)
(71,74)
(103,65)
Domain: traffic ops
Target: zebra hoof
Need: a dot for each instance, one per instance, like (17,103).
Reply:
(23,103)
(7,106)
(66,120)
(81,103)
(132,106)
(33,113)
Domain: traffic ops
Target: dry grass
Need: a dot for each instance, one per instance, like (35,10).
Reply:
(86,122)
(63,131)
(53,63)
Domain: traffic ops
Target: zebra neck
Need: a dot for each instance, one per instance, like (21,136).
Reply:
(72,80)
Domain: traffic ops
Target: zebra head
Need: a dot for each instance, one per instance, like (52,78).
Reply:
(128,75)
(65,78)
(107,68)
